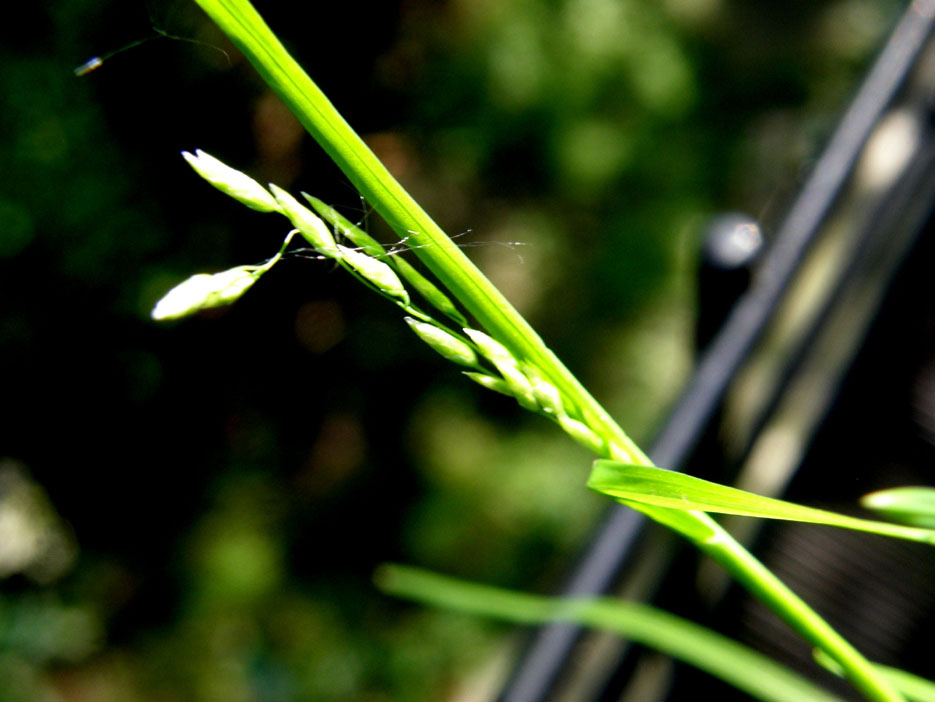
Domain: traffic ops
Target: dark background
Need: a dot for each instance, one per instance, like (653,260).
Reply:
(193,510)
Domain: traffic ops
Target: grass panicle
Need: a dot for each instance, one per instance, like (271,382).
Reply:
(494,314)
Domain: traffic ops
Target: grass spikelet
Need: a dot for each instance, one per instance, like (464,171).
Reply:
(444,343)
(508,366)
(203,291)
(307,222)
(376,272)
(231,182)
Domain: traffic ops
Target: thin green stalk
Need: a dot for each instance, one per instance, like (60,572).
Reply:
(240,21)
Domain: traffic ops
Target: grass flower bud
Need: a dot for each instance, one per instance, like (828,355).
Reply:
(491,383)
(492,349)
(449,346)
(307,222)
(503,360)
(427,289)
(343,226)
(582,434)
(546,394)
(376,272)
(232,182)
(203,291)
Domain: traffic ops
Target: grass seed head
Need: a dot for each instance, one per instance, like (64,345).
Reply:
(583,435)
(342,225)
(492,349)
(232,182)
(429,291)
(506,363)
(449,346)
(491,383)
(204,290)
(377,272)
(307,222)
(546,394)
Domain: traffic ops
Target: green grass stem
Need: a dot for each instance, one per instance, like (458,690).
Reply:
(240,21)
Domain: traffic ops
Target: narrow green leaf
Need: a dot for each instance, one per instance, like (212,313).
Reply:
(664,488)
(908,505)
(736,664)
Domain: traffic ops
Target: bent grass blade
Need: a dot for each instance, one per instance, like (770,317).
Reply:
(664,488)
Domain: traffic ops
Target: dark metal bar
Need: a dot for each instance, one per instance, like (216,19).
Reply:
(609,550)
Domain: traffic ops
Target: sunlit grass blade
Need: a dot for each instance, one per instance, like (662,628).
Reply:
(914,687)
(734,663)
(908,505)
(664,488)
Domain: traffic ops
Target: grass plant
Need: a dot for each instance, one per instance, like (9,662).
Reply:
(464,318)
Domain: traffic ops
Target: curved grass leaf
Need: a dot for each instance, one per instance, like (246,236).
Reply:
(664,488)
(732,662)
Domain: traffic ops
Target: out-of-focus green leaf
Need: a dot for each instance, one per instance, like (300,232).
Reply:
(736,664)
(909,505)
(914,687)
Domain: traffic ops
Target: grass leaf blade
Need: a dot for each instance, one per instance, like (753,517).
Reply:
(664,488)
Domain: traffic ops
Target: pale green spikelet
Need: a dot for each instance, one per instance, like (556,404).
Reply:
(428,290)
(449,346)
(492,349)
(307,222)
(503,360)
(371,246)
(232,182)
(205,290)
(343,226)
(582,434)
(546,394)
(491,383)
(376,272)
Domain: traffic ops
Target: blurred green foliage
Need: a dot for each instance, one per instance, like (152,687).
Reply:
(231,481)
